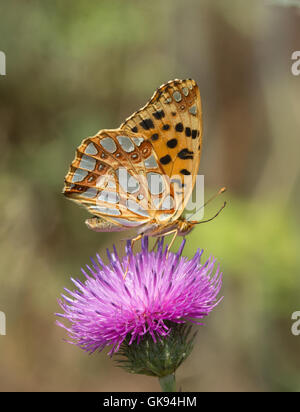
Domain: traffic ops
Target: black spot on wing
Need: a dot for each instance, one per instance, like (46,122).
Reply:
(147,124)
(172,143)
(188,132)
(185,154)
(159,114)
(165,160)
(185,172)
(134,129)
(179,127)
(194,133)
(154,137)
(166,127)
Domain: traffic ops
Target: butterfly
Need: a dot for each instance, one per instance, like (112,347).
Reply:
(142,174)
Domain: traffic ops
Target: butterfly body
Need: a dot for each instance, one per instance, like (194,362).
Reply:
(142,174)
(182,226)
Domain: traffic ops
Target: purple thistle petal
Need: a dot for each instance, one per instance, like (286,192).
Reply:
(128,248)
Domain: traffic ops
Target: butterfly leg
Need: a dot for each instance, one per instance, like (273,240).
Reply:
(133,241)
(155,244)
(175,231)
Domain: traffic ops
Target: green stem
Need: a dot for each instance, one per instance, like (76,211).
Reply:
(168,383)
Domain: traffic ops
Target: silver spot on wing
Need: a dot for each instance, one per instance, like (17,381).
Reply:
(109,197)
(105,210)
(91,192)
(177,96)
(79,175)
(108,144)
(164,216)
(151,163)
(126,143)
(91,149)
(87,163)
(135,208)
(185,91)
(193,110)
(138,140)
(168,203)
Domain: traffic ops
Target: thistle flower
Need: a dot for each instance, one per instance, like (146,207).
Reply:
(160,290)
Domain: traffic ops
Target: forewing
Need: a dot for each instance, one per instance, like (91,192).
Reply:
(172,122)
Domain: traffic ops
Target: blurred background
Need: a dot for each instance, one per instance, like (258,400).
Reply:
(75,67)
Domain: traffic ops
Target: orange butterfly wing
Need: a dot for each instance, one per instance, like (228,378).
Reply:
(172,121)
(145,171)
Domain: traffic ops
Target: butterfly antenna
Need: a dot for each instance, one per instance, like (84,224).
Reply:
(222,190)
(212,218)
